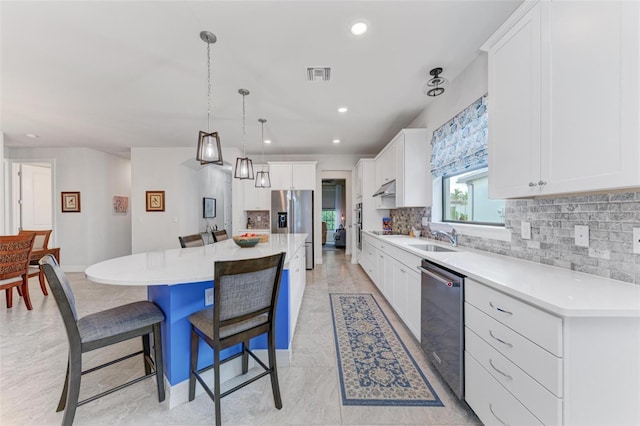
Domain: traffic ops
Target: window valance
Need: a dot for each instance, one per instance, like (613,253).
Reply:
(461,143)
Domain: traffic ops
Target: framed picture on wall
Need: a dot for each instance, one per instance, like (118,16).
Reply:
(70,202)
(155,201)
(208,207)
(120,204)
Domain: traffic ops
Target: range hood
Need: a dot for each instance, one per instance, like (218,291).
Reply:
(386,190)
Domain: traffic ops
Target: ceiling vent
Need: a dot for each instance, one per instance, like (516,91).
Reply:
(318,73)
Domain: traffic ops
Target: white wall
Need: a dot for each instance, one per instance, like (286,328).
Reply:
(96,233)
(468,86)
(3,192)
(184,181)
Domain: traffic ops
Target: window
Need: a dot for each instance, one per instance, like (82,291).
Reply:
(329,216)
(465,198)
(459,157)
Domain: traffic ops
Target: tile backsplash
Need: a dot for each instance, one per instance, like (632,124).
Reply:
(610,218)
(259,219)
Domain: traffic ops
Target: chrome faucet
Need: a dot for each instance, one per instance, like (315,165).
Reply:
(451,236)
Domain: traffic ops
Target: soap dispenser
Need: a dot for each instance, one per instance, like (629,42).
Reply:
(248,223)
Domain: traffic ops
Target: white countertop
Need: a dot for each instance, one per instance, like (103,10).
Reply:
(185,265)
(560,291)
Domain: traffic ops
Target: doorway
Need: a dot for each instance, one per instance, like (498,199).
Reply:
(334,209)
(31,195)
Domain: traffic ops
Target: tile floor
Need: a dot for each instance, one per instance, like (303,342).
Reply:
(33,351)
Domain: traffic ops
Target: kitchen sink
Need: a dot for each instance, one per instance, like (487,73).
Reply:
(430,247)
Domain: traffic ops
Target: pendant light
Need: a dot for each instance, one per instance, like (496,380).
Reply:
(263,180)
(209,151)
(435,82)
(244,166)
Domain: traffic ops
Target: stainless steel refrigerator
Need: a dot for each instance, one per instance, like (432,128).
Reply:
(292,213)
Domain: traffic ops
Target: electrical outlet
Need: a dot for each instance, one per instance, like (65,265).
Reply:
(636,240)
(525,230)
(425,221)
(208,296)
(582,235)
(258,218)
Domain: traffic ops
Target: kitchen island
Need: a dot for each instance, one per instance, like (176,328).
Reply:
(177,280)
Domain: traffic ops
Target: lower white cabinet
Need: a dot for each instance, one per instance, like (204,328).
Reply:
(394,273)
(525,366)
(297,284)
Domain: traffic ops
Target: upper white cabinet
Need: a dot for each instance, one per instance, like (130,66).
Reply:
(293,175)
(563,98)
(406,160)
(413,177)
(255,198)
(386,165)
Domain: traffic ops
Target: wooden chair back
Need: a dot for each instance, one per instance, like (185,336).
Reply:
(15,253)
(41,240)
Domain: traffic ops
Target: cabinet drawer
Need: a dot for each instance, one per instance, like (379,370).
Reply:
(538,326)
(534,360)
(493,404)
(542,403)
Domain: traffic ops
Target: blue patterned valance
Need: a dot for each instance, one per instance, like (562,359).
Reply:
(461,143)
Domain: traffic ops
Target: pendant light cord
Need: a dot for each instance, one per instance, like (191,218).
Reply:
(244,138)
(208,87)
(262,166)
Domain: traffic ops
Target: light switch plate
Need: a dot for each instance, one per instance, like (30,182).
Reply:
(208,296)
(525,230)
(582,235)
(636,240)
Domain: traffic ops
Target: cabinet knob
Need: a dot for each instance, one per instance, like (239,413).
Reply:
(533,184)
(542,182)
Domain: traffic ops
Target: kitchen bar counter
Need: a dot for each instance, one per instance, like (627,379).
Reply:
(560,291)
(177,279)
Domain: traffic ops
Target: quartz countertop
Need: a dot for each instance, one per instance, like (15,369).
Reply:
(185,265)
(560,291)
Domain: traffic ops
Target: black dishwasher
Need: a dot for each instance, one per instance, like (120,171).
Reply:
(442,323)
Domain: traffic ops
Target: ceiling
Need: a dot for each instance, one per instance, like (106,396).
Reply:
(114,75)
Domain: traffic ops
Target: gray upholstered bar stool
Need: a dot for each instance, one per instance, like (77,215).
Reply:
(245,293)
(99,330)
(194,240)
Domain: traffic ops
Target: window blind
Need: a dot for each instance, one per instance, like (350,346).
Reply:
(461,143)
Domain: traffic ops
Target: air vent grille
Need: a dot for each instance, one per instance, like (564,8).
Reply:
(318,73)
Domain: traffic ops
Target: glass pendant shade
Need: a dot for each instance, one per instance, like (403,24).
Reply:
(209,151)
(244,168)
(263,180)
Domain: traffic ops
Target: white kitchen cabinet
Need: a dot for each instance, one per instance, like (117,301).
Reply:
(293,175)
(524,365)
(563,98)
(413,174)
(358,181)
(255,198)
(297,284)
(413,315)
(397,278)
(406,160)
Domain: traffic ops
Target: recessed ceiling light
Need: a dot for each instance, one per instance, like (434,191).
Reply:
(267,141)
(358,28)
(31,135)
(342,109)
(336,141)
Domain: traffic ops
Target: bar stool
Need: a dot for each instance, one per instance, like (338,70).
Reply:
(245,296)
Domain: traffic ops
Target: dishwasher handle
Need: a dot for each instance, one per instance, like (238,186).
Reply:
(439,278)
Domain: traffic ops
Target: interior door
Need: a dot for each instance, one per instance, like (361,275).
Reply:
(35,196)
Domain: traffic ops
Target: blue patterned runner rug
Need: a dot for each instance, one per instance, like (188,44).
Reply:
(375,366)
